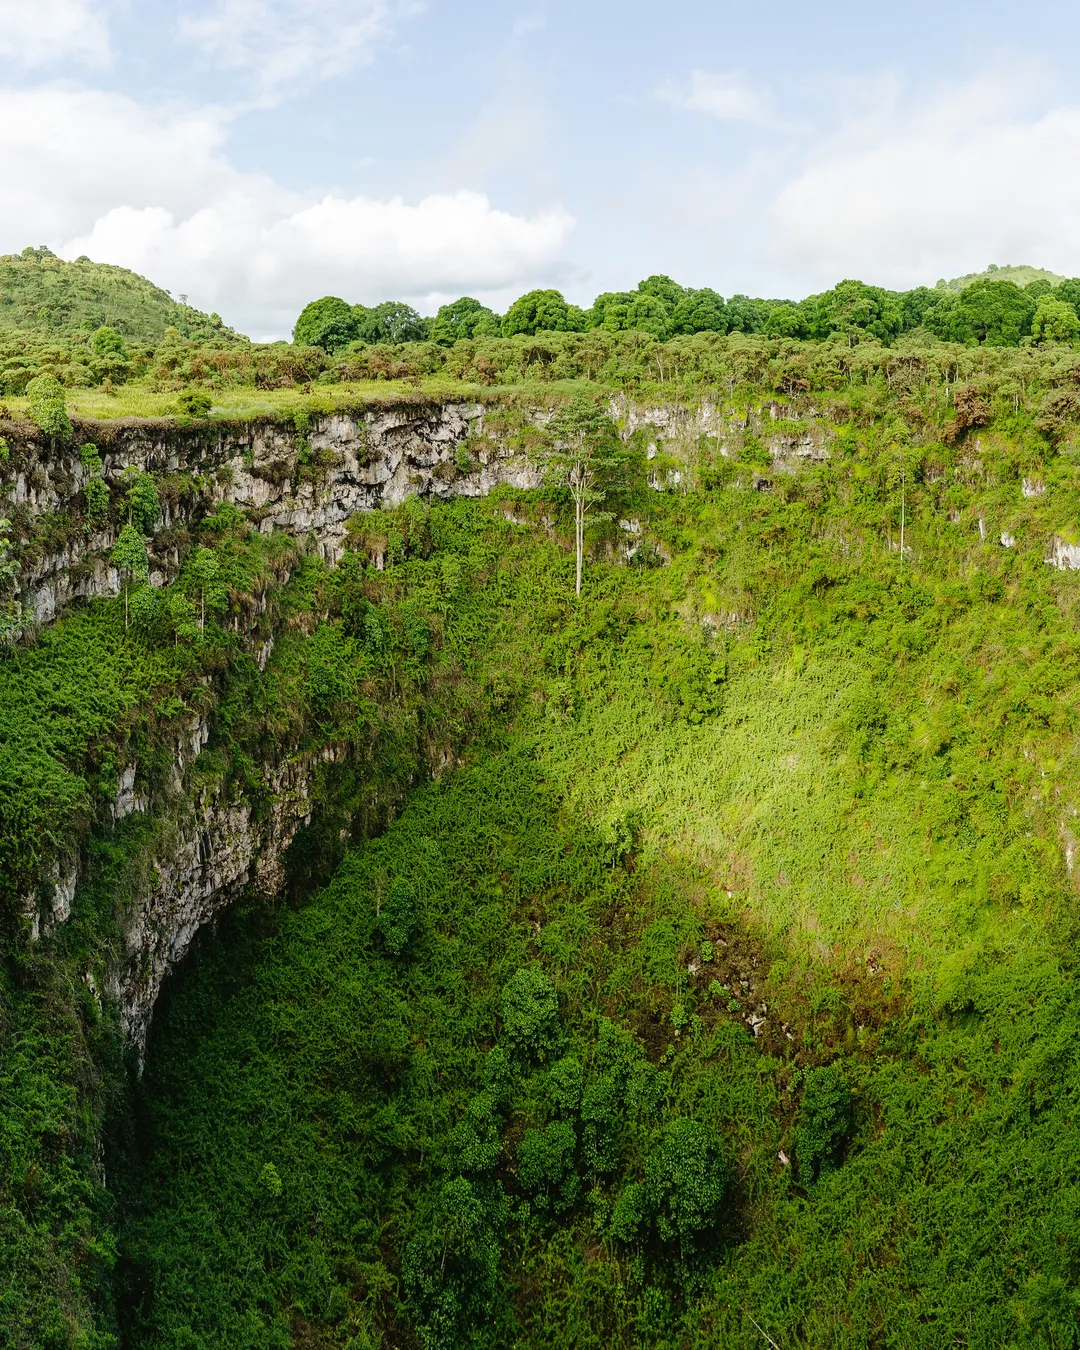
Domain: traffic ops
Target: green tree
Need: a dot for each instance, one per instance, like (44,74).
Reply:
(1054,320)
(662,288)
(785,320)
(700,312)
(546,1165)
(649,313)
(143,502)
(450,1269)
(90,458)
(584,453)
(181,615)
(96,496)
(852,307)
(994,313)
(914,305)
(1069,291)
(685,1181)
(392,321)
(48,406)
(746,315)
(96,490)
(464,318)
(108,342)
(609,311)
(824,1120)
(145,606)
(129,557)
(329,323)
(10,609)
(202,577)
(542,312)
(530,1013)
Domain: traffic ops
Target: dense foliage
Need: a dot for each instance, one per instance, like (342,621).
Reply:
(541,1067)
(660,333)
(989,308)
(41,293)
(690,962)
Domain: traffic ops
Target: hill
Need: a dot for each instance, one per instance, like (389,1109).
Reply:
(1019,276)
(42,293)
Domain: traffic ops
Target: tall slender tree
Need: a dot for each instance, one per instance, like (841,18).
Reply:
(585,454)
(129,556)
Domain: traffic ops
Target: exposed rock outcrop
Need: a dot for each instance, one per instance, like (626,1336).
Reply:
(1062,554)
(307,484)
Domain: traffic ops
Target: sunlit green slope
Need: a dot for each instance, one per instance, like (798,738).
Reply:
(727,985)
(41,293)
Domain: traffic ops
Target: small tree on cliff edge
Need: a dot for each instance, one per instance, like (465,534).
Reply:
(129,557)
(584,453)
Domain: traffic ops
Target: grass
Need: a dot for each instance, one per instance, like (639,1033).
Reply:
(249,404)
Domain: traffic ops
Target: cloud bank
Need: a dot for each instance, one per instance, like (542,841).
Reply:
(100,174)
(935,188)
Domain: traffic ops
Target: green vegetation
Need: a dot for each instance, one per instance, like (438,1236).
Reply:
(995,308)
(682,947)
(164,360)
(1020,276)
(505,1066)
(42,294)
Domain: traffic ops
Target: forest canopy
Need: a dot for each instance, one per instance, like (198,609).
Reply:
(988,309)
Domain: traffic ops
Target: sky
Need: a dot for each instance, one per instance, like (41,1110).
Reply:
(256,154)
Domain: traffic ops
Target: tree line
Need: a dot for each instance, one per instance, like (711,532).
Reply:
(991,311)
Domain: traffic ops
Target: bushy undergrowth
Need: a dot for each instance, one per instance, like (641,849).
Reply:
(790,784)
(715,982)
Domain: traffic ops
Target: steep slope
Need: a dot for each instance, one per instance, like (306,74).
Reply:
(697,955)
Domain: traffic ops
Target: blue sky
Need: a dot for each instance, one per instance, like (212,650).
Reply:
(253,154)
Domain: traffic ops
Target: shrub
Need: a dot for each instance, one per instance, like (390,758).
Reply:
(546,1165)
(601,1125)
(143,502)
(108,342)
(629,1213)
(48,406)
(399,916)
(530,1012)
(564,1086)
(90,458)
(195,402)
(451,1269)
(824,1120)
(96,494)
(685,1180)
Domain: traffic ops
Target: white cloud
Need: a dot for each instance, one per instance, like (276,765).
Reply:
(249,255)
(278,43)
(729,98)
(37,33)
(100,174)
(934,189)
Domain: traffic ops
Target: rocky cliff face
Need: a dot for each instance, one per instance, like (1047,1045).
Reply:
(215,845)
(307,484)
